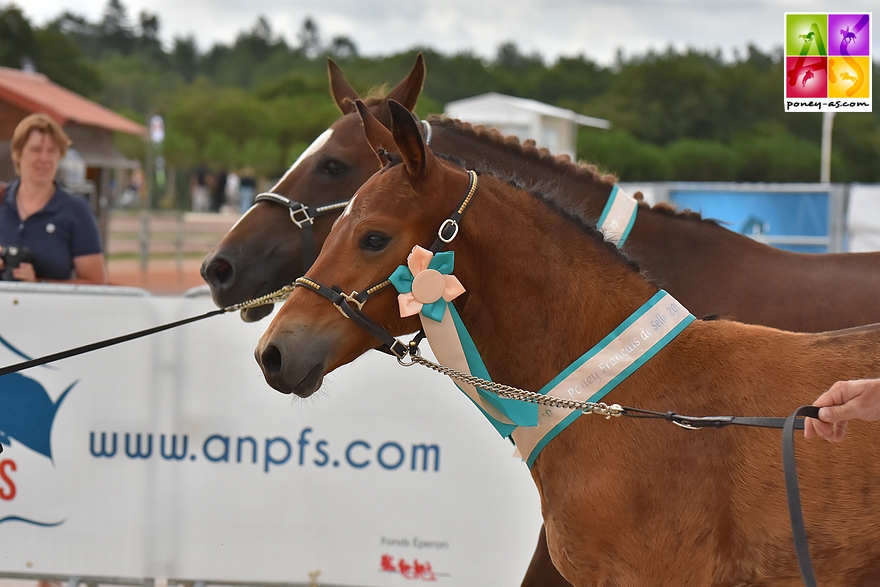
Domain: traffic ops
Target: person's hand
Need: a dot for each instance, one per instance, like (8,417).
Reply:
(844,401)
(25,272)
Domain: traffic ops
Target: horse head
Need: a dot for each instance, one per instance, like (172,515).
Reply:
(386,218)
(242,267)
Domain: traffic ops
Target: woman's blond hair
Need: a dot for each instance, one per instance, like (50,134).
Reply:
(37,123)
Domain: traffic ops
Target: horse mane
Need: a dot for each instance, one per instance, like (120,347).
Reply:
(527,148)
(538,192)
(667,209)
(564,163)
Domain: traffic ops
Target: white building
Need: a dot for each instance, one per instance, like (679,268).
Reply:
(551,127)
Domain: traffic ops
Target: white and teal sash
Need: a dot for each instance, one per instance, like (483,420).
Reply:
(618,216)
(589,378)
(603,367)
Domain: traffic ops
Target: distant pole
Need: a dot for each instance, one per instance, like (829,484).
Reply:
(149,174)
(827,126)
(157,135)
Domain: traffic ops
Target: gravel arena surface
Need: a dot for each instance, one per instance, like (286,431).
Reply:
(161,278)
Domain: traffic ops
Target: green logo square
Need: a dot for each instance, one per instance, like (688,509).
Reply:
(806,34)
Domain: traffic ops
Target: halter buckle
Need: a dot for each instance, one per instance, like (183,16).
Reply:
(351,299)
(306,218)
(447,223)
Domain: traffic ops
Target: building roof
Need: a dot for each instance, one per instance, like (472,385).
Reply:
(528,105)
(34,92)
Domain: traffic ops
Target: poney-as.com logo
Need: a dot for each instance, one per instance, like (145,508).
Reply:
(27,413)
(828,62)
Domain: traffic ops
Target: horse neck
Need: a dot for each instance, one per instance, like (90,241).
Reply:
(541,290)
(578,190)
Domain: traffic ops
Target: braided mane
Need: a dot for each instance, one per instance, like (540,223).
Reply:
(529,148)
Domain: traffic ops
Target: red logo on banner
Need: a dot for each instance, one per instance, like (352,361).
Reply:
(409,570)
(7,487)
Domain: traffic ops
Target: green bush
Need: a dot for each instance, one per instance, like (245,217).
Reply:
(620,153)
(780,157)
(696,160)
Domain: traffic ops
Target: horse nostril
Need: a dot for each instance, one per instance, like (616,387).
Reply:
(219,272)
(270,359)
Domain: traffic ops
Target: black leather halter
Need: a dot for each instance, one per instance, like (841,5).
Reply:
(304,217)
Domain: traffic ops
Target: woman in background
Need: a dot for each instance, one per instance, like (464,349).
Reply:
(57,228)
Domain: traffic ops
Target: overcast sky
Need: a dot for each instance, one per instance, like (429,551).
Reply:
(596,28)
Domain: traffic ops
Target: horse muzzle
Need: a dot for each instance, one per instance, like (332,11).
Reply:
(293,362)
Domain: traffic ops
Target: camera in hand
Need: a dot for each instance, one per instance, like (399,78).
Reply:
(13,256)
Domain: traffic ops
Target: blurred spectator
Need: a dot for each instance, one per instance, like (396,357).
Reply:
(135,193)
(232,192)
(219,191)
(200,189)
(47,233)
(246,188)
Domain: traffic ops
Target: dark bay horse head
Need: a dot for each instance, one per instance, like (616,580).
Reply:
(265,249)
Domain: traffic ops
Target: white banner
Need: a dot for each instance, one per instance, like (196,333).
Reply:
(170,456)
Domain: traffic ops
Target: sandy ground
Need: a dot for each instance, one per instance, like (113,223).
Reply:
(165,278)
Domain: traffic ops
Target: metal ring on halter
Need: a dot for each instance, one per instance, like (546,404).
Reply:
(413,351)
(446,223)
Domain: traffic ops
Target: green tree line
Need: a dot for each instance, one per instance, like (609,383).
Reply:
(676,115)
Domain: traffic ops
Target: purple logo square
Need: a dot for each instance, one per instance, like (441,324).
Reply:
(849,34)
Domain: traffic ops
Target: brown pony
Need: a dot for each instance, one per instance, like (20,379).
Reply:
(709,269)
(625,502)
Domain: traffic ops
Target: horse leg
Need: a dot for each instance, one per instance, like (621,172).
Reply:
(541,572)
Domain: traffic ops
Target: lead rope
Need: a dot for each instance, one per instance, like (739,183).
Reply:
(271,298)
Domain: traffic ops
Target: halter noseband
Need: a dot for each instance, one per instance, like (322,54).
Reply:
(350,305)
(304,217)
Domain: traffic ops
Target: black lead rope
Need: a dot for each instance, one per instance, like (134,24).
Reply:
(789,463)
(795,511)
(102,344)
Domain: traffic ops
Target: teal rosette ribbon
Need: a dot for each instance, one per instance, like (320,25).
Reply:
(426,286)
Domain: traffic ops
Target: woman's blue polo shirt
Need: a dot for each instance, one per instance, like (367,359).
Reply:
(64,229)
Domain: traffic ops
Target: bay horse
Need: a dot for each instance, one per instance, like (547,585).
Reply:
(624,502)
(709,269)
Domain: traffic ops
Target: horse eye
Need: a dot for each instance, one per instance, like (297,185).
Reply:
(375,242)
(333,168)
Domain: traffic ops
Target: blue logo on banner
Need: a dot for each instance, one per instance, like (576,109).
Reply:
(27,413)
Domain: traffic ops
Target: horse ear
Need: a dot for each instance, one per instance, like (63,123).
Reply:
(408,138)
(379,137)
(407,92)
(343,94)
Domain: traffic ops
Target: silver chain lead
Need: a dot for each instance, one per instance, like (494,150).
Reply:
(506,391)
(499,389)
